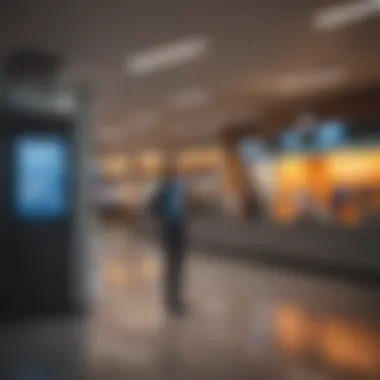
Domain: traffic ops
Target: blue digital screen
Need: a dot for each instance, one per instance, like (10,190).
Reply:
(41,176)
(331,133)
(291,141)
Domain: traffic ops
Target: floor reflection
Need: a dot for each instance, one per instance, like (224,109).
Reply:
(338,341)
(244,322)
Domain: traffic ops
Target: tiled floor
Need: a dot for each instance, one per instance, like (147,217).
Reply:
(244,321)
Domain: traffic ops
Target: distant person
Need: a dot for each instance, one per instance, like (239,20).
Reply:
(169,207)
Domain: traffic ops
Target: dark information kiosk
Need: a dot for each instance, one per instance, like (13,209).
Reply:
(43,207)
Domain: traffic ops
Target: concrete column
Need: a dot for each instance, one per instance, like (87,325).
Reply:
(238,196)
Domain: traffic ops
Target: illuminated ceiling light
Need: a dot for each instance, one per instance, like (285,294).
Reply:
(168,56)
(312,80)
(191,98)
(346,14)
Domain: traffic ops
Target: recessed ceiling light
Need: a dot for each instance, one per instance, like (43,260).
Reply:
(167,56)
(346,14)
(311,80)
(190,98)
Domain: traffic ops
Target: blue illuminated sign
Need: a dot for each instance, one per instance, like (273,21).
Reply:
(291,141)
(331,133)
(41,175)
(327,134)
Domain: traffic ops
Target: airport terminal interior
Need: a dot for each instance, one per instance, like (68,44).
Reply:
(269,114)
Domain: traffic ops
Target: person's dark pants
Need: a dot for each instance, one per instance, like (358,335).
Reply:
(174,246)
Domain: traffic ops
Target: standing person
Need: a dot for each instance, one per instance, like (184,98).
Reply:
(169,208)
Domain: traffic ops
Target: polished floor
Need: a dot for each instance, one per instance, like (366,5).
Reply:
(244,321)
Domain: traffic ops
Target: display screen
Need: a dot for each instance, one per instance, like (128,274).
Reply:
(331,133)
(327,134)
(291,141)
(41,177)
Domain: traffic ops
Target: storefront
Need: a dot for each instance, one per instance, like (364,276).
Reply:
(330,172)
